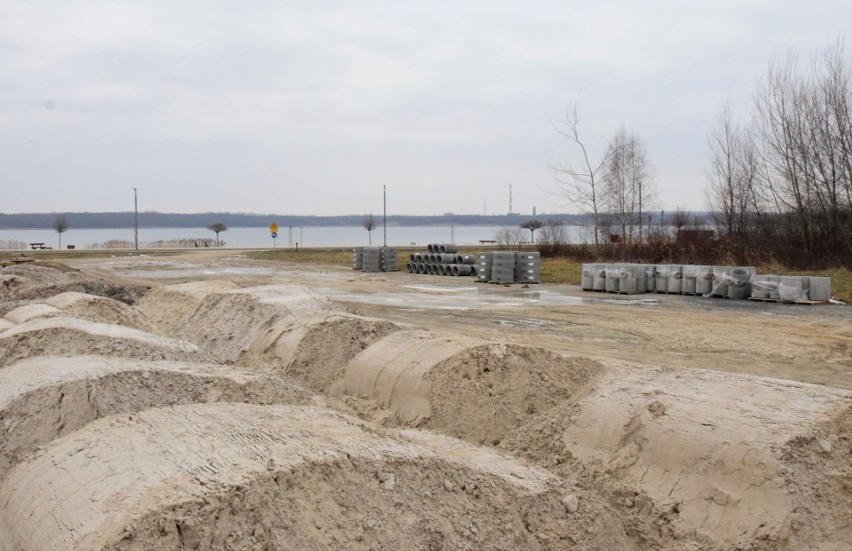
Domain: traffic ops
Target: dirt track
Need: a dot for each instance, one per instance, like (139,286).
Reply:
(651,421)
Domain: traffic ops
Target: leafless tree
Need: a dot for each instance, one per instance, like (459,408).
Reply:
(369,223)
(680,218)
(217,228)
(628,186)
(532,225)
(788,174)
(553,238)
(580,182)
(60,224)
(509,237)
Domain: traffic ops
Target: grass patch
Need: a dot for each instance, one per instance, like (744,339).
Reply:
(561,270)
(329,257)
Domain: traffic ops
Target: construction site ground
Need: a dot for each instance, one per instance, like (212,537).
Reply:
(314,406)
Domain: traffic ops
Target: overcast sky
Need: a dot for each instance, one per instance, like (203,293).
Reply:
(310,107)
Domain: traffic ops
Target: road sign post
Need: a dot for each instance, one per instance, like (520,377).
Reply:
(273,232)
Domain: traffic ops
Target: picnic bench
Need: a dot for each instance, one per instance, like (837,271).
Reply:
(35,246)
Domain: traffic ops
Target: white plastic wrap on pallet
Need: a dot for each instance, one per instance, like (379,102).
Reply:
(675,283)
(661,279)
(599,281)
(689,280)
(819,288)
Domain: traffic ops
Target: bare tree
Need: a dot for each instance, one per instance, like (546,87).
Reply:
(60,224)
(580,183)
(369,223)
(680,218)
(553,238)
(627,182)
(787,176)
(217,228)
(509,237)
(532,225)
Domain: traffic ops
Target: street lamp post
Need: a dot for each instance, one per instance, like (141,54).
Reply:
(135,221)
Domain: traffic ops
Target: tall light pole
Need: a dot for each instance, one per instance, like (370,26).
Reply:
(385,211)
(135,220)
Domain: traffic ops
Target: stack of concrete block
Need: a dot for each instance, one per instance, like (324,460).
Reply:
(484,266)
(503,267)
(375,259)
(528,267)
(389,259)
(372,260)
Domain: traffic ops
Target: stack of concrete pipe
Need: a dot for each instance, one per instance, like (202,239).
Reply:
(375,259)
(442,259)
(734,282)
(509,267)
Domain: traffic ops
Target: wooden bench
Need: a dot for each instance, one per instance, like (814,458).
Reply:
(484,241)
(35,246)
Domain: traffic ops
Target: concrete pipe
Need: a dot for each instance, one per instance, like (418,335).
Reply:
(739,287)
(675,283)
(421,268)
(442,269)
(661,279)
(447,248)
(689,282)
(462,269)
(446,259)
(588,277)
(613,277)
(474,271)
(467,259)
(429,248)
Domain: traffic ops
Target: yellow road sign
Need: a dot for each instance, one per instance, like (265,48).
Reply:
(273,228)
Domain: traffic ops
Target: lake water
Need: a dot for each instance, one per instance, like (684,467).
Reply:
(307,236)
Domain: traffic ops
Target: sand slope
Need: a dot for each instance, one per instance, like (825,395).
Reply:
(287,477)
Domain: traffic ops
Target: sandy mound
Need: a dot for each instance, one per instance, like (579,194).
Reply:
(227,323)
(42,280)
(83,306)
(819,472)
(44,398)
(249,477)
(468,389)
(5,324)
(694,456)
(169,308)
(61,336)
(316,354)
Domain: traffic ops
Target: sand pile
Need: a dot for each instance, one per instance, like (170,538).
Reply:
(249,477)
(40,280)
(169,308)
(44,398)
(82,306)
(316,353)
(226,322)
(465,388)
(64,336)
(699,456)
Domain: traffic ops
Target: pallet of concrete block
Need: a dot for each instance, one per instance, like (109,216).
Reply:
(528,267)
(503,267)
(483,266)
(791,289)
(358,258)
(389,259)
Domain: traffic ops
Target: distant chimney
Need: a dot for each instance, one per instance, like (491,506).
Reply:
(533,211)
